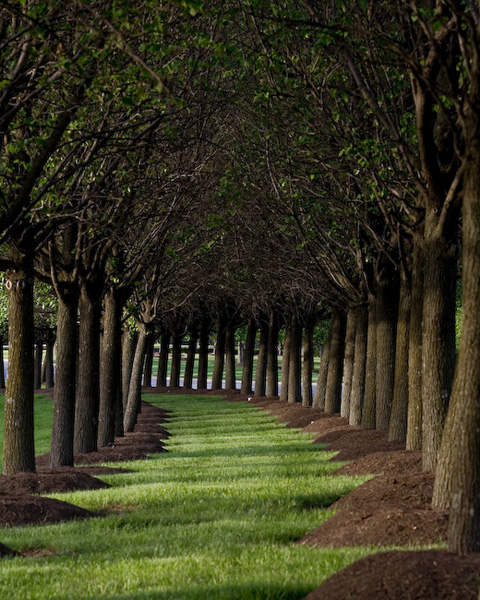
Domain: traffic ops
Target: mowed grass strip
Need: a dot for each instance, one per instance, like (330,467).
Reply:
(215,517)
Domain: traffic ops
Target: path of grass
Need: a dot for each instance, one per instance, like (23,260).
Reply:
(213,518)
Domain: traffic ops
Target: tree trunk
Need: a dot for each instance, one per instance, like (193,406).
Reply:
(176,360)
(294,368)
(130,341)
(358,378)
(190,362)
(18,439)
(87,396)
(49,367)
(148,367)
(398,418)
(111,369)
(438,344)
(272,355)
(307,368)
(217,377)
(387,314)
(61,453)
(369,410)
(285,364)
(333,394)
(247,373)
(37,377)
(320,390)
(240,353)
(457,476)
(261,371)
(230,376)
(414,418)
(349,362)
(135,388)
(162,369)
(202,373)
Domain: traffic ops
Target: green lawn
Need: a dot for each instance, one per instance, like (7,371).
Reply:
(213,518)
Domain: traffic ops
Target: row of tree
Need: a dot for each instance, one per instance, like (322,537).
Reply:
(270,164)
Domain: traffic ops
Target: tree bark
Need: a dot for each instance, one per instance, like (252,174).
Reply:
(294,364)
(217,377)
(230,359)
(148,367)
(369,409)
(202,373)
(87,397)
(286,363)
(261,370)
(37,377)
(438,343)
(2,365)
(190,362)
(130,341)
(49,366)
(358,378)
(61,453)
(163,359)
(111,369)
(135,387)
(307,367)
(414,418)
(457,475)
(18,440)
(175,368)
(272,355)
(320,390)
(387,314)
(397,431)
(247,372)
(333,394)
(349,362)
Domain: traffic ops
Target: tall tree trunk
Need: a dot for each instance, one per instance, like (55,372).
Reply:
(61,453)
(162,369)
(175,369)
(387,314)
(438,343)
(294,368)
(49,367)
(369,401)
(272,355)
(135,388)
(414,419)
(148,367)
(358,378)
(190,362)
(87,397)
(333,394)
(202,373)
(349,362)
(286,363)
(398,418)
(37,376)
(111,369)
(320,390)
(130,341)
(457,476)
(261,370)
(240,353)
(307,368)
(230,377)
(219,363)
(18,438)
(247,372)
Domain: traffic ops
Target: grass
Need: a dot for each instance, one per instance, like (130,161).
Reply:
(214,518)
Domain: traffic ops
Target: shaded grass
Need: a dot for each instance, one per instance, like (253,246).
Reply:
(215,517)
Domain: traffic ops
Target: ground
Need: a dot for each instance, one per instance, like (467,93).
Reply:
(390,509)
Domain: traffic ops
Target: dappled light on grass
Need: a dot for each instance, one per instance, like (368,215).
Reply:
(215,517)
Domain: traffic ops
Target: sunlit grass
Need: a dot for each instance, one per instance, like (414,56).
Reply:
(215,517)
